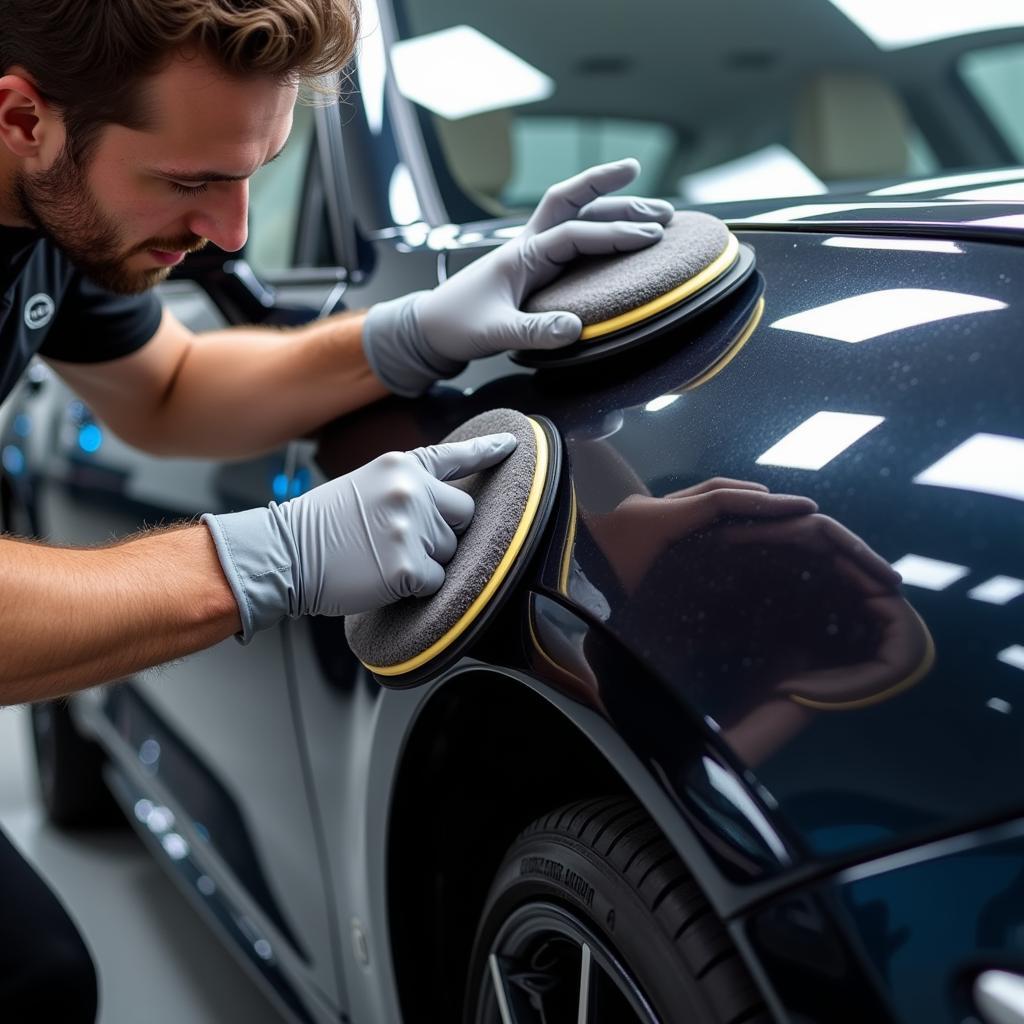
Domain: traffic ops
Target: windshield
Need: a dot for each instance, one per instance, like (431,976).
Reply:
(720,100)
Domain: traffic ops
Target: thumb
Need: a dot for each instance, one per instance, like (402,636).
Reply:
(457,459)
(543,330)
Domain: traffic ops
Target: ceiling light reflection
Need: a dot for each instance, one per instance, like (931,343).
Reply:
(767,173)
(873,314)
(1012,656)
(1010,220)
(1012,192)
(987,463)
(907,188)
(929,573)
(661,402)
(998,590)
(818,440)
(459,71)
(1004,707)
(902,244)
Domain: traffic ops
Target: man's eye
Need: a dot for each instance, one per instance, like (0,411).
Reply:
(188,190)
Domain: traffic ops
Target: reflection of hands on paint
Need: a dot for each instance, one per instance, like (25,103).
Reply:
(634,534)
(904,648)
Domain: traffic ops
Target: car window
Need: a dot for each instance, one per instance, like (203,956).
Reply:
(275,199)
(720,101)
(995,76)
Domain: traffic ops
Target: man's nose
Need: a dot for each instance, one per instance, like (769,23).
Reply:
(224,216)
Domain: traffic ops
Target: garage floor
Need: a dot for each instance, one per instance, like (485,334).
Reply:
(157,959)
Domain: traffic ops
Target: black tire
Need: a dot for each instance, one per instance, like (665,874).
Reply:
(599,873)
(70,771)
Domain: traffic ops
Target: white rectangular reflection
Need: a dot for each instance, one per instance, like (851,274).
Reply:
(929,573)
(873,314)
(1013,655)
(1012,192)
(460,71)
(909,188)
(1010,220)
(998,590)
(818,440)
(892,26)
(987,463)
(768,172)
(902,244)
(803,211)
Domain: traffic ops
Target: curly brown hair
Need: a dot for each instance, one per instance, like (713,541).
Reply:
(88,58)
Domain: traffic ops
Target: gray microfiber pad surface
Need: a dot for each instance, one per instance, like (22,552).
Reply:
(597,288)
(403,630)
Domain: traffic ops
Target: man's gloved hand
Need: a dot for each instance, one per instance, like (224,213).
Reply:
(364,540)
(412,341)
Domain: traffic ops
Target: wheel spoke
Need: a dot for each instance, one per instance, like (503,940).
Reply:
(583,1015)
(500,991)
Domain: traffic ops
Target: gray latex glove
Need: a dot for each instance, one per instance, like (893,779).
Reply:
(361,541)
(412,341)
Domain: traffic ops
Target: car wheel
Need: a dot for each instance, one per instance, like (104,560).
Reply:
(70,771)
(592,917)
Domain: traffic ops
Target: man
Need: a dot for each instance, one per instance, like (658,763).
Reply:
(128,132)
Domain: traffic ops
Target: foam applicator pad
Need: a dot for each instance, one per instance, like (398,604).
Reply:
(632,296)
(412,639)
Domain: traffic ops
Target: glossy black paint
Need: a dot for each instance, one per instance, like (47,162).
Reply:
(725,613)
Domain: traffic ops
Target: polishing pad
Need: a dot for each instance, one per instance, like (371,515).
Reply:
(636,296)
(412,639)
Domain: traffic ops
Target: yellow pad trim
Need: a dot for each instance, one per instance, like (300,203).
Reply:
(732,351)
(876,698)
(533,499)
(670,298)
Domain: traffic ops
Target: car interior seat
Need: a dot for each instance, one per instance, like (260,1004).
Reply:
(850,125)
(478,150)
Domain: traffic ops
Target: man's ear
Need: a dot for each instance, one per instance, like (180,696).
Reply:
(29,126)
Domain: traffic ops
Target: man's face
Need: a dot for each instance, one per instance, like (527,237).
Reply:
(146,198)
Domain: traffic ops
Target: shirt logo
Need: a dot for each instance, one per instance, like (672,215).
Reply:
(38,311)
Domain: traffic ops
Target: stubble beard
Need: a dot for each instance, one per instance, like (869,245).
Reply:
(58,203)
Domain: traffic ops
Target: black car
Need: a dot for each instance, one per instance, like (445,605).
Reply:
(706,765)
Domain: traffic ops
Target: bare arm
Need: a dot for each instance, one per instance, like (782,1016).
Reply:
(231,393)
(75,617)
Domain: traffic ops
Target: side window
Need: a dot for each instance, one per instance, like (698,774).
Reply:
(550,149)
(995,76)
(275,199)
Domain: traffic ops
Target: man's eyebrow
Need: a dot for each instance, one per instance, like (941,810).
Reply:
(214,175)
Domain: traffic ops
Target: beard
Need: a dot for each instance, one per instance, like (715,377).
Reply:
(59,203)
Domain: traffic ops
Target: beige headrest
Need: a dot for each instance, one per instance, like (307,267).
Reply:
(851,125)
(479,153)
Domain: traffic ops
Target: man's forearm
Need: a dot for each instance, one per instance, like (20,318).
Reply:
(246,390)
(76,617)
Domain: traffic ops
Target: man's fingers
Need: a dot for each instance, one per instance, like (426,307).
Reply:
(716,483)
(427,580)
(462,458)
(543,330)
(548,252)
(627,208)
(455,507)
(757,504)
(564,201)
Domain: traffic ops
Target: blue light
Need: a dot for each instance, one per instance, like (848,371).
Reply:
(280,486)
(22,425)
(13,460)
(301,483)
(90,437)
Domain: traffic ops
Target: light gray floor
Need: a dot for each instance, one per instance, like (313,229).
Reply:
(157,959)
